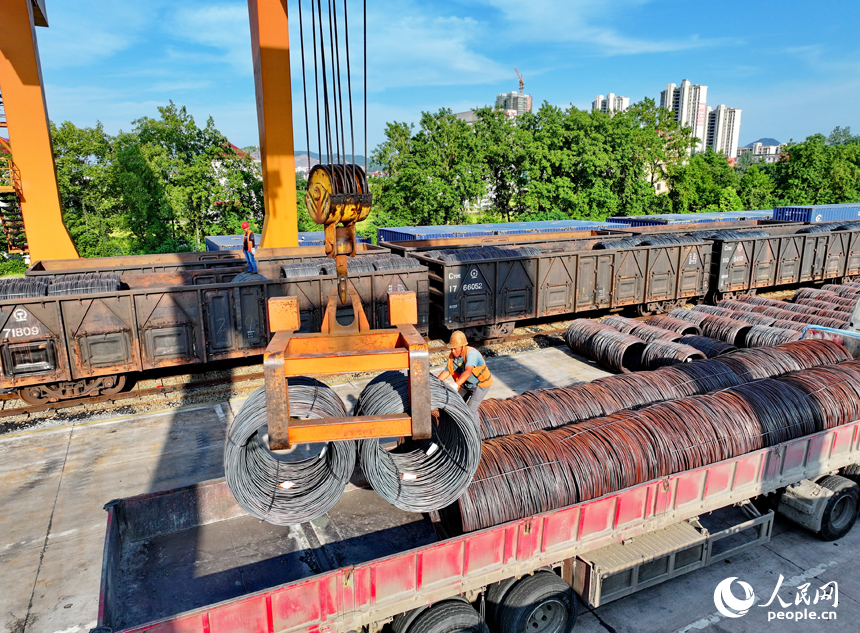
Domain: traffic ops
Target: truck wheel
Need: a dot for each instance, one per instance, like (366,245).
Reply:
(542,603)
(852,472)
(840,513)
(451,616)
(495,596)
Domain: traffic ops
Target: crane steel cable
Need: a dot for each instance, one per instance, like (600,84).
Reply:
(304,78)
(420,475)
(272,487)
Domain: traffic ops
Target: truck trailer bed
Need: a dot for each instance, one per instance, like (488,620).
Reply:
(191,547)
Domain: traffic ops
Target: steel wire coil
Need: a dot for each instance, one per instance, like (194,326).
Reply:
(734,304)
(815,352)
(825,305)
(624,242)
(661,353)
(755,363)
(732,234)
(810,319)
(724,329)
(521,475)
(785,324)
(710,347)
(22,288)
(761,301)
(717,311)
(673,324)
(620,323)
(614,350)
(823,295)
(579,333)
(273,487)
(691,379)
(754,318)
(667,240)
(651,333)
(419,475)
(846,292)
(764,336)
(817,228)
(690,316)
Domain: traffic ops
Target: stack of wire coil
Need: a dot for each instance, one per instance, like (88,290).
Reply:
(551,408)
(85,283)
(604,345)
(22,288)
(661,353)
(273,487)
(666,322)
(526,474)
(648,333)
(420,475)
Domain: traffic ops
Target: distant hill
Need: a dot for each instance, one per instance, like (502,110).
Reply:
(764,141)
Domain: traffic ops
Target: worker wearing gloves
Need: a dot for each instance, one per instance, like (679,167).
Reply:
(249,247)
(469,371)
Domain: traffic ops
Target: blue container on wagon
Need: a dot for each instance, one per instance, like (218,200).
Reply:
(412,233)
(234,242)
(818,212)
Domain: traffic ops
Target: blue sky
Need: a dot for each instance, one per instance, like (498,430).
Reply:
(793,67)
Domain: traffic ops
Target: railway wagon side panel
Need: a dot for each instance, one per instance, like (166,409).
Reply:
(101,334)
(595,272)
(836,255)
(556,283)
(790,259)
(515,289)
(765,262)
(852,257)
(628,282)
(694,270)
(235,320)
(33,349)
(731,268)
(171,328)
(812,257)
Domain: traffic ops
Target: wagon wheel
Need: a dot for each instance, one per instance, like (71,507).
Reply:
(113,385)
(33,395)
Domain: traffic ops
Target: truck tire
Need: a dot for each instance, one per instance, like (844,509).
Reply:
(542,603)
(852,472)
(841,510)
(451,616)
(495,596)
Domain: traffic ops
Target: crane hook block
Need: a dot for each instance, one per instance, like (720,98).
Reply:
(339,195)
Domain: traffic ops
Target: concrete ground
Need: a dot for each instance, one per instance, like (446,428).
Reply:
(54,482)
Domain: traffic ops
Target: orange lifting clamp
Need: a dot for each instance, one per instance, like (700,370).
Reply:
(340,349)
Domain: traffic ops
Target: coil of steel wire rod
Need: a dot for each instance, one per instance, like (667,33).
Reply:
(754,318)
(846,292)
(726,330)
(815,352)
(580,332)
(691,379)
(755,363)
(616,351)
(661,353)
(651,333)
(734,304)
(717,311)
(764,336)
(521,475)
(620,323)
(785,324)
(823,295)
(667,322)
(278,488)
(710,347)
(690,316)
(825,305)
(420,475)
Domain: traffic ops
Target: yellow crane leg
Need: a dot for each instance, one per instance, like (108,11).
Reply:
(29,132)
(270,45)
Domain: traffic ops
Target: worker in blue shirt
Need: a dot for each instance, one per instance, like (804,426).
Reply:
(470,372)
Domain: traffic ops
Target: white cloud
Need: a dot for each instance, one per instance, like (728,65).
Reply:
(224,29)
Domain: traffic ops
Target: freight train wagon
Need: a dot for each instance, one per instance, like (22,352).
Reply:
(63,346)
(486,297)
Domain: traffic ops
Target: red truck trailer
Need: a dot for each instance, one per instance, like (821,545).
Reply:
(190,560)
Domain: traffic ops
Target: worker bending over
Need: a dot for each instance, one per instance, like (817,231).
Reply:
(469,370)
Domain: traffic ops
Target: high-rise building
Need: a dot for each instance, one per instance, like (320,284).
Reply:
(768,153)
(689,103)
(514,101)
(610,104)
(724,125)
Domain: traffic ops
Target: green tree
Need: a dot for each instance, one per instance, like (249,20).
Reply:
(813,172)
(706,183)
(505,148)
(756,189)
(842,136)
(91,210)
